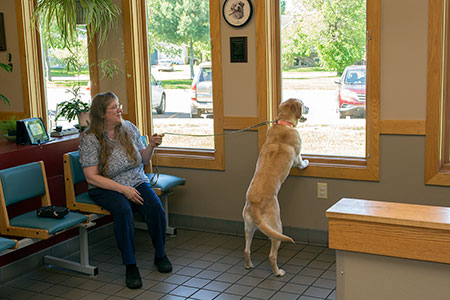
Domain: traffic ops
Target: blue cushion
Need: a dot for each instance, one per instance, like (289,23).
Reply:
(165,182)
(31,220)
(6,244)
(16,178)
(84,198)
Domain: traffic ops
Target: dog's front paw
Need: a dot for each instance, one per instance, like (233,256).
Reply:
(303,164)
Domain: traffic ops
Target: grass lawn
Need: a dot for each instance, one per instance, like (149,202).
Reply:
(177,83)
(65,73)
(309,69)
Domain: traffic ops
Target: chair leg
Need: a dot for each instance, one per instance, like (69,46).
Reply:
(165,199)
(83,266)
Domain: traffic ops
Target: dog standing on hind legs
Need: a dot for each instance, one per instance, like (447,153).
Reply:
(278,155)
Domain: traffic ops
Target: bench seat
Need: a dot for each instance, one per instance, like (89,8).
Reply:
(31,220)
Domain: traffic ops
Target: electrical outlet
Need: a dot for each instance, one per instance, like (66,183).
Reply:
(322,190)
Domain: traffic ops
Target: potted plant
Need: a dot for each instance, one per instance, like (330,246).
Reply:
(74,108)
(8,128)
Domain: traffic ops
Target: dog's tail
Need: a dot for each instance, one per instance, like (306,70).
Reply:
(266,229)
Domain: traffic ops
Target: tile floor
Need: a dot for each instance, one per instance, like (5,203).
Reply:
(206,266)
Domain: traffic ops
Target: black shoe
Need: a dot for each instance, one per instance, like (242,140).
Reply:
(133,277)
(163,264)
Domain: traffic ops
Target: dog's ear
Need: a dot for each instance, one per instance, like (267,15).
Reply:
(296,108)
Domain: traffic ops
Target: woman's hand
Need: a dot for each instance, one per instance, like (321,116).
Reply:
(132,194)
(156,140)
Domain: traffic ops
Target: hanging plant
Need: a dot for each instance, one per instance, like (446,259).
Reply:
(100,16)
(8,67)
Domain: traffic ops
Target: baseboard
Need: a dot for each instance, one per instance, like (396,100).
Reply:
(67,248)
(300,235)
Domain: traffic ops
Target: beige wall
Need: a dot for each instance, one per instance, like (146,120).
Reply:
(11,83)
(221,194)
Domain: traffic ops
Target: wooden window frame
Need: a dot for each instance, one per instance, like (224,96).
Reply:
(138,90)
(437,166)
(269,94)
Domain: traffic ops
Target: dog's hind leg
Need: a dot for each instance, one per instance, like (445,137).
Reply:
(273,255)
(250,229)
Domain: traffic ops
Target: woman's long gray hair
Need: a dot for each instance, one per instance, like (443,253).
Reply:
(123,139)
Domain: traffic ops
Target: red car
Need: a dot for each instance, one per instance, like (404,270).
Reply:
(351,94)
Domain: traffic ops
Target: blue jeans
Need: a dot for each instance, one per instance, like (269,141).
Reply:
(122,209)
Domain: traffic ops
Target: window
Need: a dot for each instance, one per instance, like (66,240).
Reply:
(437,164)
(66,73)
(184,78)
(341,137)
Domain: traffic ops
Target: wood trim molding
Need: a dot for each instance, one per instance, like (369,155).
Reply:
(433,173)
(393,229)
(30,62)
(402,127)
(235,123)
(136,58)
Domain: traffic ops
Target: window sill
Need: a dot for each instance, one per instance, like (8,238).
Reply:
(338,168)
(188,158)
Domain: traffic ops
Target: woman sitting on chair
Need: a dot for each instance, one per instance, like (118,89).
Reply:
(113,156)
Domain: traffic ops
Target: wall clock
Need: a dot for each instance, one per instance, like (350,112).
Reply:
(237,13)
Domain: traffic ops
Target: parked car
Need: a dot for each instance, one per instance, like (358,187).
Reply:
(351,93)
(202,101)
(165,65)
(158,96)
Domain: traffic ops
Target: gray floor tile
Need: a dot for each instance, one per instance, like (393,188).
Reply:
(284,296)
(217,286)
(183,291)
(225,296)
(260,293)
(317,292)
(205,295)
(238,289)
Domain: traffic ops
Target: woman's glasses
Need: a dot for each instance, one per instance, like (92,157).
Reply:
(116,106)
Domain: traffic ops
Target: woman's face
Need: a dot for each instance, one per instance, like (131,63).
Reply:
(113,114)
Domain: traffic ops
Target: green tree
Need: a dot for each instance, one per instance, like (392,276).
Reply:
(180,22)
(340,37)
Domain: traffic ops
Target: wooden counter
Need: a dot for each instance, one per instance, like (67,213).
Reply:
(394,229)
(390,251)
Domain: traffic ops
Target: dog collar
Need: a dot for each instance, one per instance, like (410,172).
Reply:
(282,122)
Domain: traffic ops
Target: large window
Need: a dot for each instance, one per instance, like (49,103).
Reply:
(327,54)
(437,168)
(185,81)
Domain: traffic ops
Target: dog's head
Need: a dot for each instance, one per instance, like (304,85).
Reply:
(292,110)
(238,9)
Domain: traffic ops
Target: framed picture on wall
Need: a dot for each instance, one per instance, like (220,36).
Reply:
(2,34)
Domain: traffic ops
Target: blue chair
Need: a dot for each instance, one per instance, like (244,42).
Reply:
(28,224)
(73,174)
(163,185)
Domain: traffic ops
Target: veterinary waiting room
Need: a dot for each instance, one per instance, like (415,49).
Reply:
(225,149)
